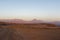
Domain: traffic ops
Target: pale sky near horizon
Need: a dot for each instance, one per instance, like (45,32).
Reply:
(30,9)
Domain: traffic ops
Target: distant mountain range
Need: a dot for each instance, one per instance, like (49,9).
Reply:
(32,21)
(21,21)
(56,23)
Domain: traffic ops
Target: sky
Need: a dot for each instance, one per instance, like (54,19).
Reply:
(30,9)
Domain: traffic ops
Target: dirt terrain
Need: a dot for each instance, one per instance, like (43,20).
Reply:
(29,32)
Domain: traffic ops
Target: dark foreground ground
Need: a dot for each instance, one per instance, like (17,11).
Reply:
(40,34)
(18,32)
(10,34)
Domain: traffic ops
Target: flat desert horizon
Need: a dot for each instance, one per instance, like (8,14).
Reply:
(29,19)
(35,31)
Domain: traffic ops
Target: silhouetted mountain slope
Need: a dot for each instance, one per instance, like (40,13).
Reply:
(20,21)
(56,23)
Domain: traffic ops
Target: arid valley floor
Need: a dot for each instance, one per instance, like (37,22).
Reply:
(29,32)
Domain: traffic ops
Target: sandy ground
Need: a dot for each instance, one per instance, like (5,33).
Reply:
(9,34)
(40,34)
(27,33)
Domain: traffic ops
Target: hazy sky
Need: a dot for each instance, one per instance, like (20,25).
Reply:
(29,9)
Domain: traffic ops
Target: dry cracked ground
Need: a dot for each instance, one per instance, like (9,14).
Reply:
(27,33)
